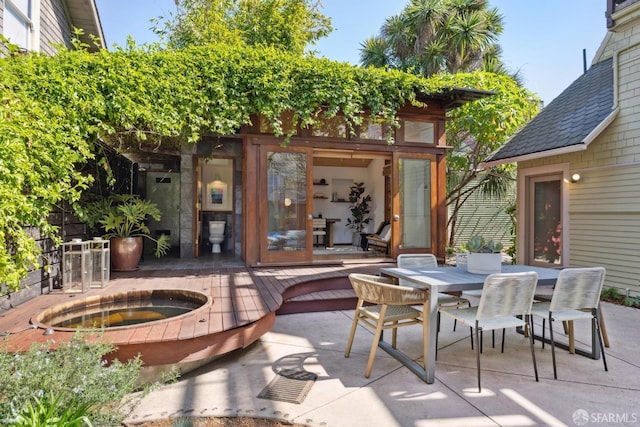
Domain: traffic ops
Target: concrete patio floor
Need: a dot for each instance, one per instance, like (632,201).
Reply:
(583,394)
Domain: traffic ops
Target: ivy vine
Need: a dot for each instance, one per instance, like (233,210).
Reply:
(53,109)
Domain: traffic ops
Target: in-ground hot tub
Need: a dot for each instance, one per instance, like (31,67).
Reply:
(124,309)
(144,323)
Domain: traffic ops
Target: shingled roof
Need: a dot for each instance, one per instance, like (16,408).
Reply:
(568,123)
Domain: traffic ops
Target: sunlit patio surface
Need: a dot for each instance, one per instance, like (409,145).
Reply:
(583,394)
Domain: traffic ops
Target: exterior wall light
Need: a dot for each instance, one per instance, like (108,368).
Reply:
(573,179)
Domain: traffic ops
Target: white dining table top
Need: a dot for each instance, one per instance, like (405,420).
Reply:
(459,279)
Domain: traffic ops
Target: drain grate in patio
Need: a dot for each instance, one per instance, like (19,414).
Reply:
(289,385)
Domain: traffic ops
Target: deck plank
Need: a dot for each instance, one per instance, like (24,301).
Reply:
(240,297)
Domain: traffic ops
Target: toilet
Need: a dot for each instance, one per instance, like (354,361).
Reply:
(216,235)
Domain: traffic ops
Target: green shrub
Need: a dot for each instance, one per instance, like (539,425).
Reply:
(611,293)
(48,411)
(76,373)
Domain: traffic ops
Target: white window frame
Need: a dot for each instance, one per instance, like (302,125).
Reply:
(31,21)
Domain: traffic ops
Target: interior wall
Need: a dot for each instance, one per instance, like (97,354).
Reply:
(337,181)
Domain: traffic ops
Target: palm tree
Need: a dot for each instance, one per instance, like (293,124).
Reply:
(448,36)
(433,36)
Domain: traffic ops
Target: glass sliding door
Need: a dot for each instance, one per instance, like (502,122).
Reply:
(286,213)
(413,204)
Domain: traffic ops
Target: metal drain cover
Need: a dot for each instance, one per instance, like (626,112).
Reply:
(289,385)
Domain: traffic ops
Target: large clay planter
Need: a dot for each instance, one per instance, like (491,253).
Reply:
(482,263)
(125,253)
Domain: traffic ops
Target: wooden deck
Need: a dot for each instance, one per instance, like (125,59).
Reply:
(244,304)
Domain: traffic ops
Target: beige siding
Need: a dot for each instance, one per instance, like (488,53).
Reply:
(604,206)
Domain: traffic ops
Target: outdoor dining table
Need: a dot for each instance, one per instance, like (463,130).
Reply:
(446,279)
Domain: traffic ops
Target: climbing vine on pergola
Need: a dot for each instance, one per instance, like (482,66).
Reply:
(53,109)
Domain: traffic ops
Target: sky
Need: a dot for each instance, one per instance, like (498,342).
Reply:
(542,39)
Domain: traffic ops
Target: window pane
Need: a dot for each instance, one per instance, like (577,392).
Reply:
(334,127)
(23,6)
(287,125)
(415,203)
(370,130)
(547,222)
(17,27)
(418,132)
(287,201)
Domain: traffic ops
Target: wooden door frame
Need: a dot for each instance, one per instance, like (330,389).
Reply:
(265,255)
(437,202)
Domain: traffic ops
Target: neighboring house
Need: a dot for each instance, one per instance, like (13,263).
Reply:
(579,164)
(37,25)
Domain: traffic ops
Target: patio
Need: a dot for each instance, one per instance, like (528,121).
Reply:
(393,396)
(584,394)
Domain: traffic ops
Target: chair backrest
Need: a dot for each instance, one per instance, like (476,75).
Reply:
(385,233)
(380,227)
(577,288)
(507,294)
(415,260)
(378,290)
(319,222)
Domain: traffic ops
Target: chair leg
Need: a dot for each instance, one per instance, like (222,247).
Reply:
(478,334)
(471,336)
(533,353)
(553,348)
(394,335)
(572,337)
(599,332)
(543,322)
(603,327)
(352,334)
(374,346)
(502,349)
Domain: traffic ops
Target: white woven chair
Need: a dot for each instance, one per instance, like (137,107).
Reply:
(505,302)
(576,296)
(445,301)
(391,309)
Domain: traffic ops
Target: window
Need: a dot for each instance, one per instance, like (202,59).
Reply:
(418,131)
(331,127)
(371,129)
(18,24)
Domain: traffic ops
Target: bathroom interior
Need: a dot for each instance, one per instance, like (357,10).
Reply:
(216,201)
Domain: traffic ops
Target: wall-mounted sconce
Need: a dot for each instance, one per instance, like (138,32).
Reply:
(575,177)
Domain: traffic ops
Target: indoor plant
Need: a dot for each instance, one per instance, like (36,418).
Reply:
(122,218)
(484,256)
(359,209)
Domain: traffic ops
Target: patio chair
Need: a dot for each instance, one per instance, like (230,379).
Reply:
(576,296)
(320,229)
(380,240)
(505,302)
(391,308)
(445,301)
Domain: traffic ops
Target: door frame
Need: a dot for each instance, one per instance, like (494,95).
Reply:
(438,220)
(267,256)
(525,177)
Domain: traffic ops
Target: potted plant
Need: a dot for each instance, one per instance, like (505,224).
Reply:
(122,218)
(359,211)
(484,256)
